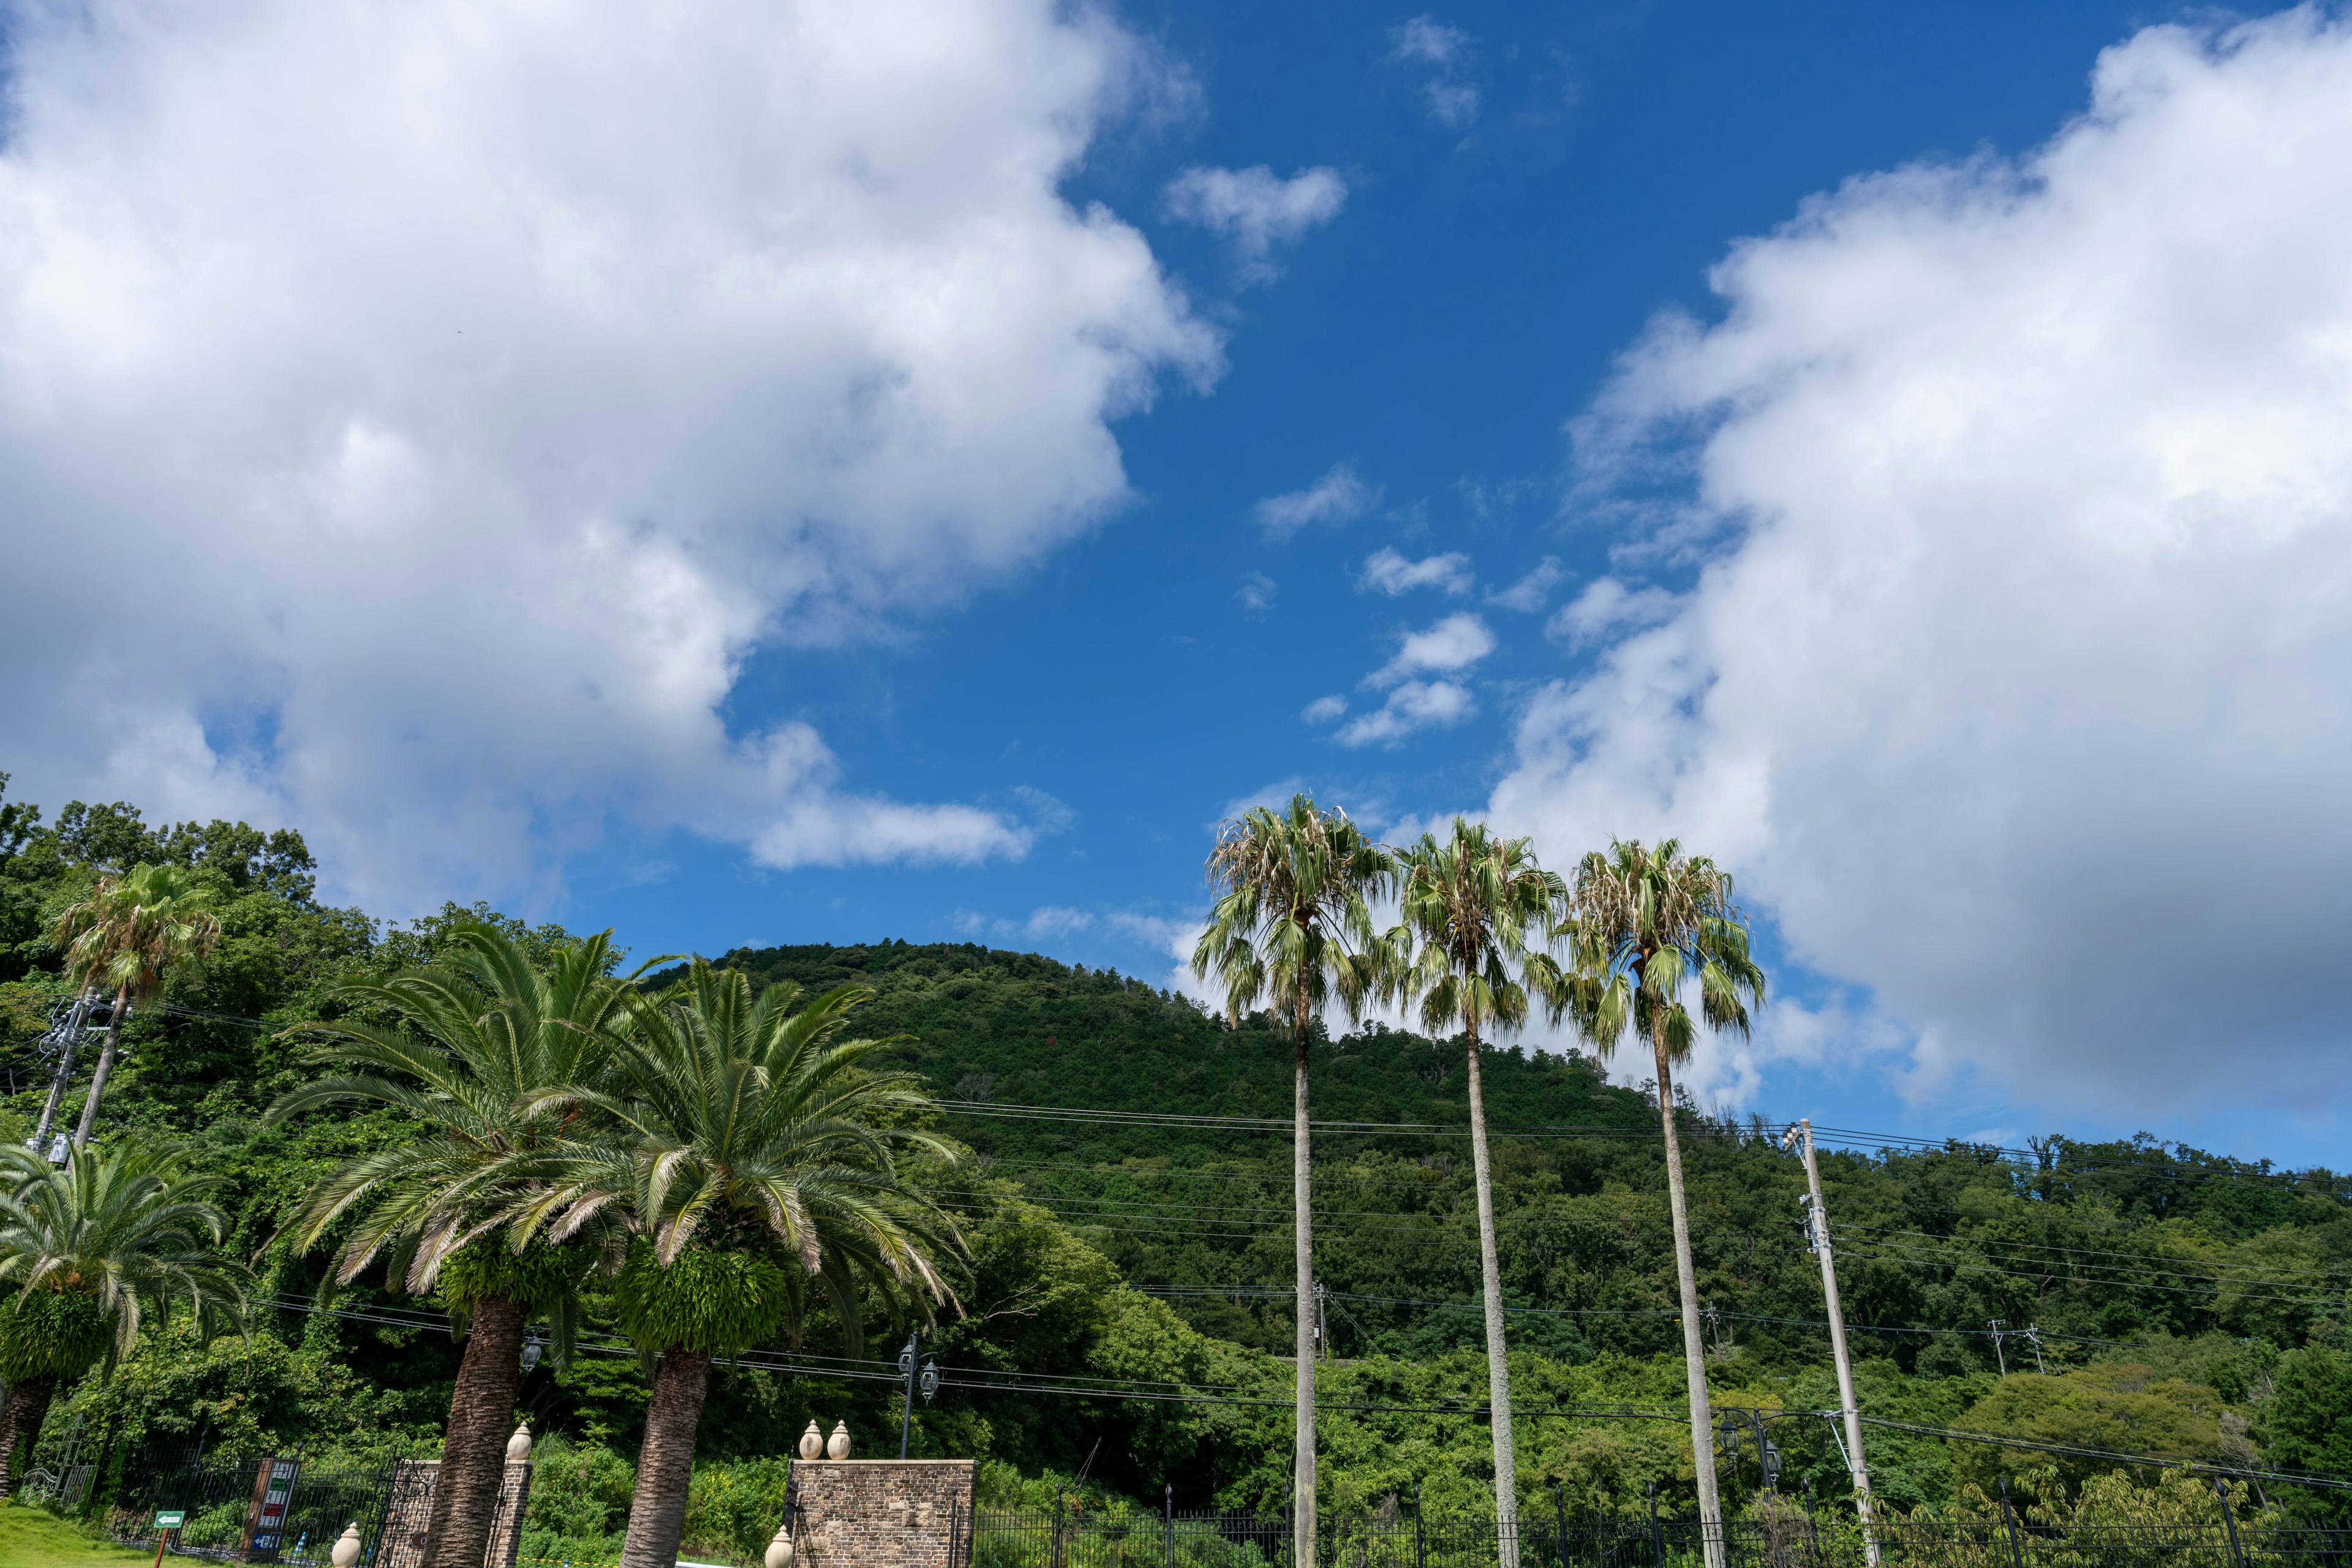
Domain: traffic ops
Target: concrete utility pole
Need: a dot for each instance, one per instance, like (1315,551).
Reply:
(39,1141)
(1817,1227)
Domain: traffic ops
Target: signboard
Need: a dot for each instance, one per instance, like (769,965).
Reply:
(170,1519)
(264,1521)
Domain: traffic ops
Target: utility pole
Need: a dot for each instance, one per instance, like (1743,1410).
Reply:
(1817,1226)
(70,1031)
(2000,1359)
(2033,1338)
(1322,1324)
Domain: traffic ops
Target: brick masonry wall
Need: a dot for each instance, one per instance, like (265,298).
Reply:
(883,1513)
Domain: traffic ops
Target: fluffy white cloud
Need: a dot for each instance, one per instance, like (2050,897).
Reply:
(1454,644)
(1530,592)
(1394,573)
(1452,97)
(1337,497)
(2022,691)
(414,414)
(1607,605)
(1257,209)
(1323,709)
(1415,705)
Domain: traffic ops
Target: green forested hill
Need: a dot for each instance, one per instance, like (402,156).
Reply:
(2182,1299)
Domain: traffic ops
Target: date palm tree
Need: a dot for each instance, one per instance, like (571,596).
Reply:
(88,1252)
(463,1046)
(1647,922)
(753,1157)
(1483,913)
(1291,927)
(132,929)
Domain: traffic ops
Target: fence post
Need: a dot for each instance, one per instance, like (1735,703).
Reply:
(1559,1513)
(2237,1553)
(1420,1551)
(1168,1529)
(2009,1522)
(1657,1536)
(1057,1526)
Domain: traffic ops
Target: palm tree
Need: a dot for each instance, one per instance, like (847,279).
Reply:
(1484,912)
(1291,927)
(1646,922)
(470,1040)
(124,937)
(754,1159)
(87,1251)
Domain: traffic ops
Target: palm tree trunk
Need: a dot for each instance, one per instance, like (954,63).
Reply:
(666,1463)
(20,1423)
(1710,1509)
(1303,1472)
(105,1067)
(474,1456)
(1498,1366)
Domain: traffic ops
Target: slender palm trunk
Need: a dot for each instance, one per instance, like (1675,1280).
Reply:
(1710,1511)
(474,1456)
(105,1068)
(1302,1473)
(1498,1366)
(666,1463)
(20,1426)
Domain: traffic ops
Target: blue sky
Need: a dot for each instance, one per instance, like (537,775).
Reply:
(615,600)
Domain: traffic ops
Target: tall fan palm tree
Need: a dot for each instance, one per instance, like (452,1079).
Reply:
(1291,927)
(1647,923)
(469,1041)
(131,930)
(755,1159)
(87,1251)
(1484,912)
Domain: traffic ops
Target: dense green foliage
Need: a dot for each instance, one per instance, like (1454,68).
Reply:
(1159,1251)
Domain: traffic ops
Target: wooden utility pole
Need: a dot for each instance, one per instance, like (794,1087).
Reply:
(1817,1228)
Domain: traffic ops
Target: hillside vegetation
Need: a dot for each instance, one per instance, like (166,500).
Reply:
(2186,1304)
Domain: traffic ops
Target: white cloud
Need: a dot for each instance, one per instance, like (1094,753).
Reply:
(456,394)
(1452,97)
(1257,209)
(1337,497)
(1323,709)
(1415,705)
(2021,694)
(1454,644)
(1256,592)
(1390,573)
(1530,592)
(1607,605)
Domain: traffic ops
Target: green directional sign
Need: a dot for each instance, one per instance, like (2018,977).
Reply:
(170,1519)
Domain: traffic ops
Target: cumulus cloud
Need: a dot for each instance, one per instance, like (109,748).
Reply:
(1532,592)
(1256,592)
(1339,497)
(1454,644)
(1257,209)
(1323,709)
(1390,573)
(1444,54)
(2021,694)
(456,397)
(1607,605)
(1413,706)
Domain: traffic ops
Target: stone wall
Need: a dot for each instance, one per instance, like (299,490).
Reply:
(883,1513)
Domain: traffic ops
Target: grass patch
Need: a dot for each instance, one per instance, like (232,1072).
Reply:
(32,1539)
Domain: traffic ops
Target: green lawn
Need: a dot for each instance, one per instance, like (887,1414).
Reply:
(31,1539)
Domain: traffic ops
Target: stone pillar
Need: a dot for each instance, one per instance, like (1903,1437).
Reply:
(883,1513)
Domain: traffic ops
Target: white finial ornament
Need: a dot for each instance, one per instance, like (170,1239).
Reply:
(347,1550)
(518,1446)
(813,1442)
(837,1446)
(779,1550)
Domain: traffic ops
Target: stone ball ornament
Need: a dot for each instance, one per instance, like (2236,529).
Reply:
(518,1446)
(812,1443)
(779,1550)
(347,1550)
(837,1446)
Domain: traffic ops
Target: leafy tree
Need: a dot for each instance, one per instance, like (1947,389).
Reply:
(1292,926)
(466,1044)
(755,1158)
(2120,1407)
(89,1248)
(1483,912)
(2308,1423)
(1647,922)
(124,937)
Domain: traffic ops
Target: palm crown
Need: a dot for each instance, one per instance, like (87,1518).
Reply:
(135,925)
(1484,912)
(1645,922)
(1291,924)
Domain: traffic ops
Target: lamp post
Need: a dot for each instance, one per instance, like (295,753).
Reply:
(929,1382)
